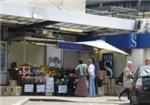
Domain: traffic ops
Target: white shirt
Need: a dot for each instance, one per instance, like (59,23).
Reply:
(91,69)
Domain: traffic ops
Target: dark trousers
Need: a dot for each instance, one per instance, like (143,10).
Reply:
(125,90)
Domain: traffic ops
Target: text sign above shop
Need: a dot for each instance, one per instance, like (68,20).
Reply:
(108,63)
(123,41)
(73,46)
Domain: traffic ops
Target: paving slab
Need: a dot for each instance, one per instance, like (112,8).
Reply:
(55,100)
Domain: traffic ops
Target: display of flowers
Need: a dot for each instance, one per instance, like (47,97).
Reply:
(49,70)
(62,81)
(28,80)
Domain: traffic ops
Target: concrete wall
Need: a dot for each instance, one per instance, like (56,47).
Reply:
(119,64)
(147,53)
(34,54)
(72,5)
(70,58)
(84,56)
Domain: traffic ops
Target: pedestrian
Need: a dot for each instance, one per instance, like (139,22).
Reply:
(119,79)
(91,72)
(147,62)
(96,75)
(127,79)
(81,71)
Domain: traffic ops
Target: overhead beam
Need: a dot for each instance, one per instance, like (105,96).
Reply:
(66,16)
(36,25)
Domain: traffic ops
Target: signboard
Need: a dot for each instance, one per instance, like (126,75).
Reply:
(40,88)
(124,41)
(73,46)
(62,89)
(50,84)
(28,88)
(108,63)
(133,40)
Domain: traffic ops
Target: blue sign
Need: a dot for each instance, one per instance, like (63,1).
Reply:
(73,46)
(108,63)
(133,40)
(143,40)
(124,41)
(121,41)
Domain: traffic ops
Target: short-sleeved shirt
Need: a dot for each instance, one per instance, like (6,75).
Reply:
(91,69)
(81,69)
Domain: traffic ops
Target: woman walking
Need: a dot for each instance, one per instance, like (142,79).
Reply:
(127,79)
(81,71)
(91,72)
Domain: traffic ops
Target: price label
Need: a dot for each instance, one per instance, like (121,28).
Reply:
(40,88)
(62,89)
(28,88)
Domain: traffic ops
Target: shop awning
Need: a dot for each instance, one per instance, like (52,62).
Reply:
(88,45)
(31,14)
(100,44)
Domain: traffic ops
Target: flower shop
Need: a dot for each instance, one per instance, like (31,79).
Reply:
(30,72)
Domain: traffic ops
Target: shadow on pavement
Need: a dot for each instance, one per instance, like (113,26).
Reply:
(118,100)
(115,100)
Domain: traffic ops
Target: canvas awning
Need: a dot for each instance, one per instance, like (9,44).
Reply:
(100,44)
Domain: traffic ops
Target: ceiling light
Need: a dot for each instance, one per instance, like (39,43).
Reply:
(44,44)
(70,29)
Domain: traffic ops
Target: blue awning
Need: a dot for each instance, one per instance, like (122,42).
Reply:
(73,46)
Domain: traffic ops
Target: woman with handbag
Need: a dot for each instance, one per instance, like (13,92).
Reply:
(127,79)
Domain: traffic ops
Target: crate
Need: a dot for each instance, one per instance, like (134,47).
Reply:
(2,90)
(13,83)
(102,73)
(112,91)
(111,83)
(101,91)
(6,91)
(106,92)
(15,90)
(105,81)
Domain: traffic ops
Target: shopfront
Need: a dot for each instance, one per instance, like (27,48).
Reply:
(33,61)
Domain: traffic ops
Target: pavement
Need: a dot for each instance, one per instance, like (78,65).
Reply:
(56,100)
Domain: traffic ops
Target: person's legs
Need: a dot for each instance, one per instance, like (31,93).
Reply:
(93,87)
(128,93)
(96,85)
(122,92)
(90,86)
